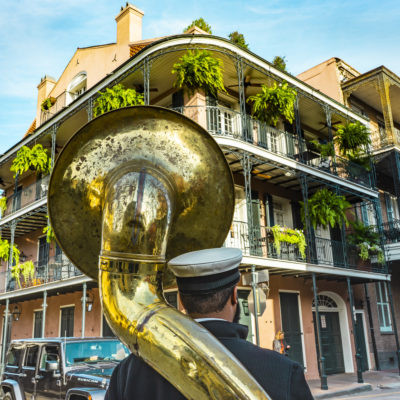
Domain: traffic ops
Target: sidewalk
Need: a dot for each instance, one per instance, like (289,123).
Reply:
(345,384)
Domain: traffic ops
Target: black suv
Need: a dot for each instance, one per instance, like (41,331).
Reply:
(60,368)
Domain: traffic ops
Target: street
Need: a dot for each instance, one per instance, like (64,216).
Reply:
(376,394)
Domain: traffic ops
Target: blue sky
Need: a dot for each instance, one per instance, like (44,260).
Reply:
(38,37)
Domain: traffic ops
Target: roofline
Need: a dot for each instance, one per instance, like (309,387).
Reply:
(371,73)
(176,40)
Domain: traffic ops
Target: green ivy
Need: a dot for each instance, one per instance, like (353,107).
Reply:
(36,158)
(292,236)
(117,97)
(200,23)
(5,251)
(274,102)
(199,70)
(326,208)
(50,236)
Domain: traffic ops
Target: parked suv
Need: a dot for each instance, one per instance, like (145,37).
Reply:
(60,368)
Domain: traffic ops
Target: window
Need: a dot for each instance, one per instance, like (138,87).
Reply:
(382,300)
(49,353)
(67,322)
(76,87)
(37,324)
(172,298)
(31,356)
(14,356)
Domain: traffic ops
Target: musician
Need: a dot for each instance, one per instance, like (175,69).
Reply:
(207,284)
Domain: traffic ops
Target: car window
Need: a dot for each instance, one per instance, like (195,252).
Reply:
(31,356)
(14,356)
(49,353)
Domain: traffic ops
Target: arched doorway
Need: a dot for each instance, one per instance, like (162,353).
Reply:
(335,336)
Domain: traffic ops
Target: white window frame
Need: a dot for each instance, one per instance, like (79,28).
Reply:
(382,303)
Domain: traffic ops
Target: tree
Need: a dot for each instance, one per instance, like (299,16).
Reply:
(238,39)
(200,23)
(280,63)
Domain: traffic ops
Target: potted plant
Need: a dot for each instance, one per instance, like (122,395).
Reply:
(352,137)
(117,97)
(36,158)
(47,103)
(367,241)
(288,235)
(198,69)
(326,208)
(5,251)
(274,102)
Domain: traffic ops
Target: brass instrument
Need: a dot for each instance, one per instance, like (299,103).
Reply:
(130,190)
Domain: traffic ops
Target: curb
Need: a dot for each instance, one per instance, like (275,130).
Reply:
(365,387)
(389,386)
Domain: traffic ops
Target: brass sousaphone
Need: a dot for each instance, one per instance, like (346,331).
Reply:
(130,190)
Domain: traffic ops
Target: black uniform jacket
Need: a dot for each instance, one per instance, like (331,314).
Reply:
(280,377)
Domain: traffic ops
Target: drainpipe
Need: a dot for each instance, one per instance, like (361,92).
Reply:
(3,346)
(44,308)
(83,309)
(353,323)
(371,327)
(321,358)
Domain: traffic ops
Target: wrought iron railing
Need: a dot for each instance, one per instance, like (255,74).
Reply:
(391,231)
(51,270)
(61,102)
(27,195)
(326,251)
(226,122)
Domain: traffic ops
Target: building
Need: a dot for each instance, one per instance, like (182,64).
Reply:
(374,94)
(274,168)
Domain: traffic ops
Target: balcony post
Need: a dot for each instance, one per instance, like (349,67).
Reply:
(353,323)
(343,236)
(328,116)
(317,324)
(11,254)
(300,138)
(146,80)
(396,175)
(14,195)
(4,337)
(242,100)
(310,237)
(371,327)
(379,222)
(84,308)
(384,89)
(394,325)
(247,166)
(89,108)
(44,308)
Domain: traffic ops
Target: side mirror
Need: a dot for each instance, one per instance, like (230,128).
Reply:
(52,365)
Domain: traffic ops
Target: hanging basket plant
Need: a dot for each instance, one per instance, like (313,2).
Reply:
(352,137)
(274,102)
(117,97)
(26,270)
(47,103)
(50,236)
(198,69)
(287,235)
(367,241)
(3,204)
(326,208)
(5,251)
(36,158)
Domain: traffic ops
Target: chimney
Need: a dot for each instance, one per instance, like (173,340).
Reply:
(45,86)
(129,24)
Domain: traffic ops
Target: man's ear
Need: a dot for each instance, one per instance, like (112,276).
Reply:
(234,297)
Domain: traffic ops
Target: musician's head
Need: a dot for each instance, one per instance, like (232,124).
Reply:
(207,282)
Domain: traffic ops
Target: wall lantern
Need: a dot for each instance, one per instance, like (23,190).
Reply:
(16,313)
(88,301)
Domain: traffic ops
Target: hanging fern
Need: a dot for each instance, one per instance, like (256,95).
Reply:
(199,70)
(117,97)
(3,204)
(28,271)
(5,251)
(36,158)
(326,208)
(352,137)
(287,235)
(16,274)
(273,103)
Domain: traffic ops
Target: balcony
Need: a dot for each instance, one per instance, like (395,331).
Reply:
(327,252)
(220,121)
(25,196)
(60,103)
(53,270)
(391,235)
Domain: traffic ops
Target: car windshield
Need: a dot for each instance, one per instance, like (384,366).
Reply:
(94,351)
